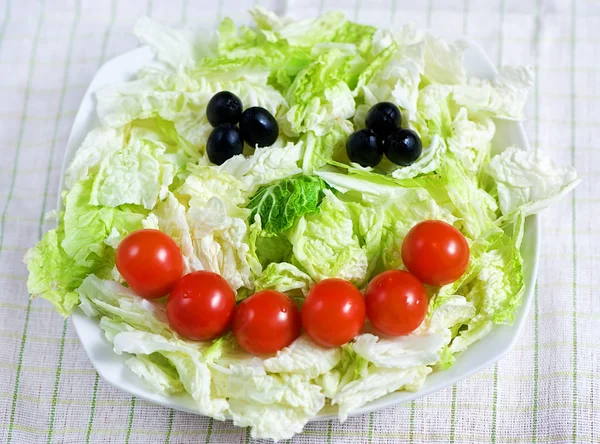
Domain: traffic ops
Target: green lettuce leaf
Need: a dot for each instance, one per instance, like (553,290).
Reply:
(319,95)
(529,181)
(171,46)
(444,61)
(139,173)
(356,34)
(354,383)
(273,405)
(428,164)
(98,144)
(381,177)
(181,97)
(304,33)
(170,217)
(53,275)
(266,248)
(503,97)
(351,367)
(87,226)
(427,345)
(281,205)
(366,185)
(206,182)
(158,372)
(139,327)
(304,358)
(266,165)
(284,277)
(185,357)
(393,76)
(325,244)
(101,297)
(243,47)
(495,290)
(471,138)
(221,242)
(433,116)
(401,213)
(473,206)
(319,150)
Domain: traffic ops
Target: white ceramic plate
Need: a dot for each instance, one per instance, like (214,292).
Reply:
(477,357)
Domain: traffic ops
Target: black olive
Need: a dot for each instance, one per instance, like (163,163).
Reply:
(224,142)
(403,147)
(364,148)
(224,107)
(383,118)
(258,127)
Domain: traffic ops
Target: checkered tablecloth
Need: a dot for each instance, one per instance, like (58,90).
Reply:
(545,390)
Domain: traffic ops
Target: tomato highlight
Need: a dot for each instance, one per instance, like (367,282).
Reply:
(201,306)
(435,252)
(396,302)
(266,322)
(333,312)
(150,262)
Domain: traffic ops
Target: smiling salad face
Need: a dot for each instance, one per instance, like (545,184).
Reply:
(361,135)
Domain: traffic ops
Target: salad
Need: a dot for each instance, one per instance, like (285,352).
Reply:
(295,215)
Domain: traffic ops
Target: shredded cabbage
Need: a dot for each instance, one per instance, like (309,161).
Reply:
(287,216)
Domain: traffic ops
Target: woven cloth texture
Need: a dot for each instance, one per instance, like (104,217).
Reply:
(545,390)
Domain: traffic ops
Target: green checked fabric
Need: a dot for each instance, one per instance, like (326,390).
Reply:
(545,390)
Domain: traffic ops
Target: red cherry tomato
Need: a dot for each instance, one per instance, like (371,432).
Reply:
(201,306)
(396,302)
(333,312)
(150,262)
(266,322)
(435,252)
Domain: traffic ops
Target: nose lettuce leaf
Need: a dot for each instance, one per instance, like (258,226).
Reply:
(280,205)
(267,248)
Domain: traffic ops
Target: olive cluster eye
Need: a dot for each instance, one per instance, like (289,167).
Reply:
(383,135)
(257,127)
